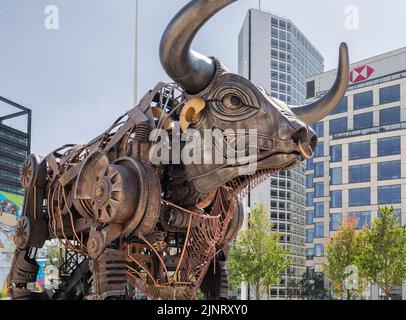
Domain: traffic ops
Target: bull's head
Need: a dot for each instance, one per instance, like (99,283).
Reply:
(225,100)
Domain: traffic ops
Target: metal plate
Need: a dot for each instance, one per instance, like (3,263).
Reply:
(142,182)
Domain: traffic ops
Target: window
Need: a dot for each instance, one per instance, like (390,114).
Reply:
(309,181)
(310,89)
(389,194)
(336,176)
(335,221)
(389,116)
(338,126)
(13,136)
(319,129)
(336,153)
(359,197)
(318,250)
(309,164)
(319,189)
(319,169)
(319,230)
(319,210)
(10,176)
(309,199)
(309,217)
(389,94)
(388,146)
(12,149)
(336,199)
(319,152)
(341,107)
(309,235)
(359,150)
(364,120)
(361,173)
(389,170)
(362,218)
(282,24)
(7,188)
(363,100)
(309,253)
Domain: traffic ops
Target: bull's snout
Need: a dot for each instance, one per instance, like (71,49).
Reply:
(306,139)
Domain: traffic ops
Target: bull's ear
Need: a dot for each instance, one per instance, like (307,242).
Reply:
(191,112)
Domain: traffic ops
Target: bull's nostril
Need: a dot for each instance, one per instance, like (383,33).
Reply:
(300,136)
(306,146)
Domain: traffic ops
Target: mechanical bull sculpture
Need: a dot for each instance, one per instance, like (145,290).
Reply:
(127,222)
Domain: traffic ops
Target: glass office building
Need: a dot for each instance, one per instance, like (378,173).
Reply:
(276,55)
(360,161)
(14,144)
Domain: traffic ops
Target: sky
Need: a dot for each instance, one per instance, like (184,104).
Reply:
(79,78)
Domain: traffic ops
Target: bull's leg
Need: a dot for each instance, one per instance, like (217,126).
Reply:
(109,276)
(32,230)
(24,270)
(215,282)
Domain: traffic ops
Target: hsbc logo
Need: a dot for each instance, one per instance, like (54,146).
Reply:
(361,74)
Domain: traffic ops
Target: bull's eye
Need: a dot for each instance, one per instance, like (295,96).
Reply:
(232,102)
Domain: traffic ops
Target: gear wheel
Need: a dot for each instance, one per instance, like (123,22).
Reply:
(33,172)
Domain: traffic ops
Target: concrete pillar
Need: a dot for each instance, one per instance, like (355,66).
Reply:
(374,292)
(247,211)
(244,291)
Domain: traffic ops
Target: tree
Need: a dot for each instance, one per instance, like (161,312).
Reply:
(312,288)
(341,268)
(292,286)
(55,253)
(257,257)
(383,258)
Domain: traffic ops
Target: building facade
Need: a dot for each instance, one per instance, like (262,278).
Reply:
(360,160)
(14,145)
(274,54)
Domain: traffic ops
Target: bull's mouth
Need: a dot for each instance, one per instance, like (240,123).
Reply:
(267,166)
(240,179)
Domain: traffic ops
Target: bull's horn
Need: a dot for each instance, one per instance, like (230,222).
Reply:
(319,109)
(192,70)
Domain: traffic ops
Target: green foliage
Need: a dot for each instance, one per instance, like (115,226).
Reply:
(383,258)
(200,295)
(257,257)
(343,253)
(312,288)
